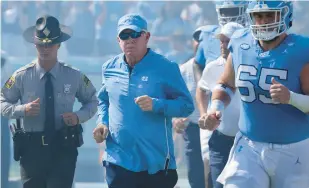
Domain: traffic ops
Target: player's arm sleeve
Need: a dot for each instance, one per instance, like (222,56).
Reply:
(178,101)
(86,95)
(10,95)
(103,105)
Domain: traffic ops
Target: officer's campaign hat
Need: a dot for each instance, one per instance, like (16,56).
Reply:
(47,30)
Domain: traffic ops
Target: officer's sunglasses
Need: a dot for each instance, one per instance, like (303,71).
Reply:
(133,35)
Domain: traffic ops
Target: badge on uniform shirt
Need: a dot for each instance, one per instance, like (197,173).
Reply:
(10,82)
(67,88)
(86,80)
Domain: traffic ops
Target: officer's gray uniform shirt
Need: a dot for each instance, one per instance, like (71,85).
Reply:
(28,84)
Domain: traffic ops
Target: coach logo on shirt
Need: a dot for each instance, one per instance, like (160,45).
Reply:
(145,78)
(245,46)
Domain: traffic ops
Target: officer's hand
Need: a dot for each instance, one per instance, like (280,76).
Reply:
(100,133)
(210,121)
(179,124)
(70,118)
(279,93)
(33,108)
(144,102)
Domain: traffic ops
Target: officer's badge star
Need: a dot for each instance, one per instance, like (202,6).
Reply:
(67,88)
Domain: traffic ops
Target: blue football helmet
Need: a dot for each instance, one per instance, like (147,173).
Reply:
(231,11)
(268,31)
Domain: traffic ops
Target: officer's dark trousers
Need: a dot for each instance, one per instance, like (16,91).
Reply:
(219,150)
(51,166)
(118,177)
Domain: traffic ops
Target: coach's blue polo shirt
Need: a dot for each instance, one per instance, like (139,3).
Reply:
(138,140)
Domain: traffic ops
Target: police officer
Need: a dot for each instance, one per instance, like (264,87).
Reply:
(46,89)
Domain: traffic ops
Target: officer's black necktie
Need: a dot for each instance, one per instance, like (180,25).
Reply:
(49,107)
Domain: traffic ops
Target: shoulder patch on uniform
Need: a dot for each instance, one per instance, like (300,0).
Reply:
(212,31)
(69,66)
(239,33)
(86,80)
(209,28)
(10,82)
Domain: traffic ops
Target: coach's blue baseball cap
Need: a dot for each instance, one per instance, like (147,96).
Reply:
(132,21)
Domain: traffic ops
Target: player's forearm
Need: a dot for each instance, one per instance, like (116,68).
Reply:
(222,96)
(202,99)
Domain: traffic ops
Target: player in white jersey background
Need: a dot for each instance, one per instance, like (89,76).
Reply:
(209,50)
(221,140)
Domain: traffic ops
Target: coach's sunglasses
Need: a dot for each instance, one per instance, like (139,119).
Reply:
(133,35)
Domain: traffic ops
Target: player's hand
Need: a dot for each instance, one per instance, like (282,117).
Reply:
(279,93)
(70,118)
(210,120)
(179,124)
(100,133)
(144,102)
(33,108)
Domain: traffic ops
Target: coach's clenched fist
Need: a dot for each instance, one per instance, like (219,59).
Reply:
(33,108)
(100,133)
(144,102)
(279,93)
(210,120)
